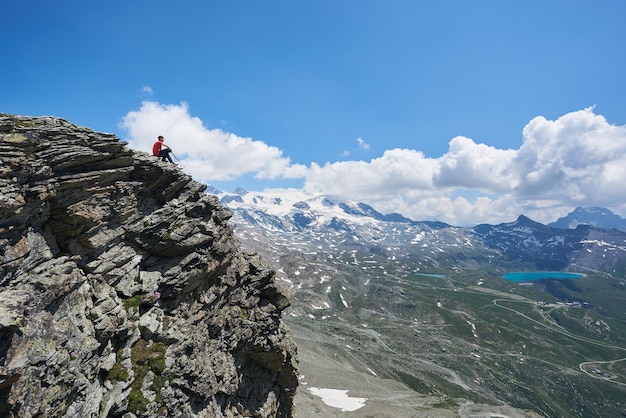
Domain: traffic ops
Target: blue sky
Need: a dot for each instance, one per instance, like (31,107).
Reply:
(458,111)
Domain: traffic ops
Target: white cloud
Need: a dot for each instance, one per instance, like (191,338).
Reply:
(476,166)
(147,90)
(209,154)
(362,145)
(396,171)
(578,159)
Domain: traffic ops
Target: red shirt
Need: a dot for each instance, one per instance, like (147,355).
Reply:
(156,148)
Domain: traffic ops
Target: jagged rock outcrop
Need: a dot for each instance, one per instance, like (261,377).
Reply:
(123,290)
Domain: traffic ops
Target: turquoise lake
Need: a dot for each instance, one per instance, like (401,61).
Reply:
(533,276)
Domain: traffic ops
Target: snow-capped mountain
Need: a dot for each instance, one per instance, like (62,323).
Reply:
(296,219)
(314,223)
(598,217)
(295,210)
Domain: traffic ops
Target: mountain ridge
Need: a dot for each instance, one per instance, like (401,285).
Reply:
(543,246)
(593,216)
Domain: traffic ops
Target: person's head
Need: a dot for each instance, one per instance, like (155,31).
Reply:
(160,138)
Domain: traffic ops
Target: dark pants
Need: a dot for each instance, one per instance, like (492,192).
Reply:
(165,155)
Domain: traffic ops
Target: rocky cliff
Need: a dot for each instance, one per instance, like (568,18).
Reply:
(123,290)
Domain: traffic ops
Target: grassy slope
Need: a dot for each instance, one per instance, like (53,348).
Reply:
(468,337)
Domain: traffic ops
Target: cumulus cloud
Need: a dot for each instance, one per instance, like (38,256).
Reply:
(209,154)
(578,159)
(476,166)
(397,170)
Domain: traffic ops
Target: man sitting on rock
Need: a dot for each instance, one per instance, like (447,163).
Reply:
(161,150)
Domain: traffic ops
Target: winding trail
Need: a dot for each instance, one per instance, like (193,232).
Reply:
(559,329)
(550,326)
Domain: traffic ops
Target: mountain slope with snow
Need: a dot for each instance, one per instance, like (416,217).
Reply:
(325,222)
(420,311)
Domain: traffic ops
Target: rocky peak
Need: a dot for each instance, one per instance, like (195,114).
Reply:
(123,291)
(597,217)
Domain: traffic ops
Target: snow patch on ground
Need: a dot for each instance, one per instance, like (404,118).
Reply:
(324,306)
(473,328)
(338,399)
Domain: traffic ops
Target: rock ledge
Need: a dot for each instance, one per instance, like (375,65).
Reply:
(123,290)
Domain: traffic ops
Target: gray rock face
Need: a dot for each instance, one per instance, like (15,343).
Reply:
(123,291)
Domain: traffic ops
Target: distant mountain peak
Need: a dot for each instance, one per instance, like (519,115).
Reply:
(522,219)
(594,216)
